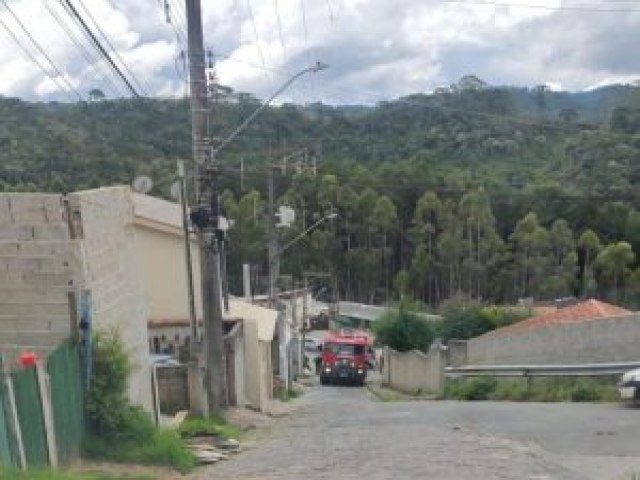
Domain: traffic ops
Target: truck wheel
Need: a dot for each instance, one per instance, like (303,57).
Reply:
(323,380)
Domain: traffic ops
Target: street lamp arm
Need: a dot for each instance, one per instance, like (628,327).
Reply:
(301,235)
(316,68)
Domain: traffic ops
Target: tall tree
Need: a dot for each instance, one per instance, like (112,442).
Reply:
(613,264)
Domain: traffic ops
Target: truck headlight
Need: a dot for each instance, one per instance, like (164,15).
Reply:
(327,369)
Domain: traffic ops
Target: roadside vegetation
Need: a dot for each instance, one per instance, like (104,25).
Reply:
(284,394)
(533,390)
(200,426)
(402,328)
(47,474)
(118,431)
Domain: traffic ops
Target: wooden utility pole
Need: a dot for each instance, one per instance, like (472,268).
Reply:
(204,215)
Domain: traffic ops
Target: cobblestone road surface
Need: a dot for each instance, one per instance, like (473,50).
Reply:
(343,433)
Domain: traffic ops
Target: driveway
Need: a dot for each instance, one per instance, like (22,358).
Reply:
(344,433)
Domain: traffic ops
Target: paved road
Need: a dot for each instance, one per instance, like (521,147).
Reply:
(343,433)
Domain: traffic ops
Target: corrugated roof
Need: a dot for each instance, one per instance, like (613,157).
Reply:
(586,311)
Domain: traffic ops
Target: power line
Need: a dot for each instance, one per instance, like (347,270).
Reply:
(544,7)
(173,20)
(99,46)
(35,60)
(428,186)
(330,11)
(41,50)
(255,32)
(372,97)
(88,56)
(278,19)
(113,49)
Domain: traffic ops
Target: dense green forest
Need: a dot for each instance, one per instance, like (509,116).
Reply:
(493,193)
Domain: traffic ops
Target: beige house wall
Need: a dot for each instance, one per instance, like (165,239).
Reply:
(112,274)
(161,255)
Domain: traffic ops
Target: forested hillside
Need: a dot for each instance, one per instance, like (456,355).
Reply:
(496,193)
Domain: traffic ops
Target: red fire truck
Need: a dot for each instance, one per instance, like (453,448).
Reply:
(345,358)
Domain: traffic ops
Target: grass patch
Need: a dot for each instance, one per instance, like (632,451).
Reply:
(161,448)
(200,426)
(47,474)
(534,390)
(284,395)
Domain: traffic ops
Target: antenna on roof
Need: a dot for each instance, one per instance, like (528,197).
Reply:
(142,184)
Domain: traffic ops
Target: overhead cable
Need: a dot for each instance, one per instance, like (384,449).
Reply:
(88,56)
(100,48)
(40,49)
(113,49)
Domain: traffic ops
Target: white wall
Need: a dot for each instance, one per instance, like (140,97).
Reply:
(113,274)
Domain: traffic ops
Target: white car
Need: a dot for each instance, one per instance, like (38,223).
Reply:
(629,386)
(312,345)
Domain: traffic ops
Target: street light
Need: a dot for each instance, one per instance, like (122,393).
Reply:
(301,235)
(314,69)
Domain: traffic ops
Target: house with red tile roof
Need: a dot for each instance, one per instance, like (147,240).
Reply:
(586,311)
(589,331)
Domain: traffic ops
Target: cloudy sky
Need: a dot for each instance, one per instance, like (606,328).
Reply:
(376,49)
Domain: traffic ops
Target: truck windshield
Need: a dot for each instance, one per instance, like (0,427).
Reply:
(344,349)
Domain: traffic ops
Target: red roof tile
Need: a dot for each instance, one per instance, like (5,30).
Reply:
(588,310)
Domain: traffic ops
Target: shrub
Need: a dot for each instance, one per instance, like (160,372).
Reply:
(403,331)
(119,431)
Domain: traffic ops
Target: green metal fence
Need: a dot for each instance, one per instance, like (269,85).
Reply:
(30,416)
(63,367)
(6,456)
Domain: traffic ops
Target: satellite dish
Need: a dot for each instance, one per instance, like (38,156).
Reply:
(174,191)
(224,224)
(142,184)
(287,216)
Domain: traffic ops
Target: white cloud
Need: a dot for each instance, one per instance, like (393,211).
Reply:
(376,48)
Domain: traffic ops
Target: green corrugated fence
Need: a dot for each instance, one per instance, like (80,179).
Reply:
(30,416)
(66,398)
(6,456)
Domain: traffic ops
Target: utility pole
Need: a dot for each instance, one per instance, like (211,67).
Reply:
(187,250)
(273,240)
(205,215)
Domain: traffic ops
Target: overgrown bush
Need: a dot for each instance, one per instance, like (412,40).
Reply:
(403,331)
(119,431)
(465,318)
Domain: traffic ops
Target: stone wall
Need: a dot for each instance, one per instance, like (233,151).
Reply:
(39,266)
(613,339)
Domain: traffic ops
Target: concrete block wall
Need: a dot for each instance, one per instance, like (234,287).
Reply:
(414,371)
(113,275)
(39,266)
(613,339)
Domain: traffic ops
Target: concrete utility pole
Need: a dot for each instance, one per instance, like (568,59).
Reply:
(187,251)
(204,215)
(274,261)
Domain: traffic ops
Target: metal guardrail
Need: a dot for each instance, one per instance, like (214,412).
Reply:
(582,370)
